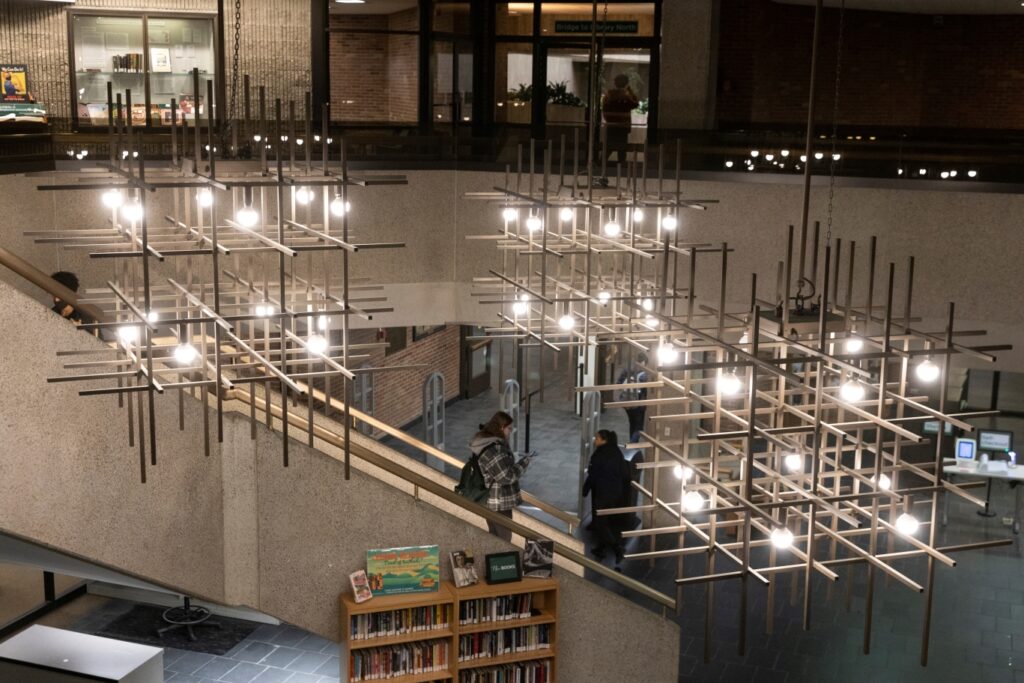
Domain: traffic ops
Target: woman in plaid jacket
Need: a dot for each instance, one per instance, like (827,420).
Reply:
(500,469)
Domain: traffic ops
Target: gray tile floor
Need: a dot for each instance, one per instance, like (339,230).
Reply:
(271,654)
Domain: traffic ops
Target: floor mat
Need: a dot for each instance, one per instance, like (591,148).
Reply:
(140,623)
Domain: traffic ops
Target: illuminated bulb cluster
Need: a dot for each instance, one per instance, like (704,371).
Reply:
(567,322)
(604,296)
(669,222)
(247,217)
(204,198)
(534,223)
(651,322)
(304,195)
(693,501)
(907,524)
(316,344)
(646,304)
(852,391)
(509,214)
(883,482)
(638,215)
(321,322)
(782,538)
(340,207)
(264,310)
(612,229)
(185,353)
(927,371)
(729,384)
(566,214)
(112,199)
(667,354)
(521,307)
(854,345)
(794,462)
(682,473)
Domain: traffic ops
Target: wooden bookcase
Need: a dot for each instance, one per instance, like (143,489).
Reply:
(544,603)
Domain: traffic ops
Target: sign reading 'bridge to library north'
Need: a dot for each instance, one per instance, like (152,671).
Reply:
(602,27)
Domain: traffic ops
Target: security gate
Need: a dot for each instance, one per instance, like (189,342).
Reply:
(433,410)
(510,404)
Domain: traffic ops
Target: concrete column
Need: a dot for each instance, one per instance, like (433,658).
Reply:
(689,59)
(241,514)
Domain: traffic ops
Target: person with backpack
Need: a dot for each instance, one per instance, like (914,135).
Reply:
(499,468)
(609,483)
(635,414)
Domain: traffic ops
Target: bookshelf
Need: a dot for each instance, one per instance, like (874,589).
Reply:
(508,625)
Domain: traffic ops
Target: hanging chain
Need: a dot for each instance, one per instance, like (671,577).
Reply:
(835,122)
(232,117)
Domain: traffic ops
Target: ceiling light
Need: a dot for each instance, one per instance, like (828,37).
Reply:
(340,207)
(522,306)
(769,157)
(646,304)
(852,390)
(263,310)
(204,198)
(509,214)
(803,157)
(567,322)
(899,171)
(907,524)
(152,317)
(693,501)
(782,538)
(794,462)
(944,175)
(534,223)
(651,322)
(682,473)
(668,354)
(729,384)
(185,353)
(604,296)
(316,344)
(304,195)
(638,214)
(321,322)
(883,482)
(612,229)
(854,345)
(784,152)
(128,333)
(837,157)
(927,371)
(566,214)
(728,164)
(972,174)
(819,155)
(112,199)
(754,153)
(132,211)
(952,174)
(669,222)
(247,217)
(922,171)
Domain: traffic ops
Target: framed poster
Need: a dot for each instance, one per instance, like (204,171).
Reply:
(413,569)
(15,82)
(160,59)
(503,567)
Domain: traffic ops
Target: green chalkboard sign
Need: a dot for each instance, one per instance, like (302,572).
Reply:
(602,27)
(503,567)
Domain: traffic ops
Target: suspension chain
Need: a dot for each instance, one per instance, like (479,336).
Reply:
(835,122)
(233,100)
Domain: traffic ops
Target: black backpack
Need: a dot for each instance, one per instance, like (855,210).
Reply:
(472,484)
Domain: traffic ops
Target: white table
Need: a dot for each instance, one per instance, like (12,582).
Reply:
(951,468)
(41,654)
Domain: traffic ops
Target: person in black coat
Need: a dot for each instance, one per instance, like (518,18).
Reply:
(608,482)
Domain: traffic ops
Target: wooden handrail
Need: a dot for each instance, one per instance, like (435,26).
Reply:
(48,284)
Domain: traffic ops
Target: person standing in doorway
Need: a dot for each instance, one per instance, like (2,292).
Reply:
(608,481)
(634,375)
(500,469)
(617,106)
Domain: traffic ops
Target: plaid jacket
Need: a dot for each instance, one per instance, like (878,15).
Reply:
(501,472)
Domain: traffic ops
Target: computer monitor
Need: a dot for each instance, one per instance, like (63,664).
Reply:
(995,440)
(966,449)
(932,427)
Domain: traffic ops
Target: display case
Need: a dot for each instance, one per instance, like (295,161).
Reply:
(150,54)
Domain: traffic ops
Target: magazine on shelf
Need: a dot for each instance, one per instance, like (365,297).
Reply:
(538,558)
(463,569)
(360,586)
(15,82)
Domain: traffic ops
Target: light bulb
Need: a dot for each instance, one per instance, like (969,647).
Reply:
(567,322)
(612,229)
(803,157)
(257,137)
(604,296)
(784,152)
(128,333)
(883,482)
(112,199)
(819,155)
(728,164)
(638,215)
(837,157)
(922,171)
(854,345)
(682,473)
(340,207)
(769,157)
(152,316)
(782,538)
(944,175)
(651,322)
(534,223)
(907,524)
(852,390)
(304,195)
(521,307)
(669,222)
(132,211)
(693,501)
(321,322)
(566,214)
(952,174)
(646,304)
(509,214)
(185,353)
(972,174)
(247,217)
(927,371)
(754,153)
(316,344)
(264,310)
(204,198)
(794,462)
(729,384)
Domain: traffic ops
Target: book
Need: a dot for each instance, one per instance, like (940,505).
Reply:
(360,586)
(413,569)
(463,569)
(538,558)
(15,82)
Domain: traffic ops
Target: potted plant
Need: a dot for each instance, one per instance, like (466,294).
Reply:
(563,106)
(517,105)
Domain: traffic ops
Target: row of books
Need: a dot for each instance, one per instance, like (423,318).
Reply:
(504,642)
(131,62)
(495,609)
(399,621)
(378,663)
(524,672)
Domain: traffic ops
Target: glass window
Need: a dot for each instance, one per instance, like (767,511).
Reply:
(513,82)
(108,49)
(623,19)
(375,62)
(625,77)
(453,81)
(452,17)
(176,47)
(514,19)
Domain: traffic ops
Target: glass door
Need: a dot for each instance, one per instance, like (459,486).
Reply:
(452,100)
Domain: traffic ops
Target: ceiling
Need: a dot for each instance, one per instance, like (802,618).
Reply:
(373,7)
(924,6)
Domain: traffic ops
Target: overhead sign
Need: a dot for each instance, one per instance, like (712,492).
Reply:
(602,27)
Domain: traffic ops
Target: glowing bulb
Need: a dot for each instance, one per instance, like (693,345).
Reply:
(693,501)
(566,214)
(883,482)
(972,174)
(316,344)
(667,354)
(638,215)
(534,223)
(745,338)
(952,174)
(854,345)
(782,538)
(907,524)
(728,164)
(651,322)
(339,207)
(128,333)
(133,211)
(185,353)
(647,304)
(247,217)
(803,157)
(612,229)
(927,371)
(604,297)
(944,175)
(837,157)
(669,222)
(321,322)
(204,198)
(152,316)
(682,473)
(922,171)
(264,310)
(784,152)
(509,214)
(304,195)
(852,390)
(729,384)
(794,462)
(257,137)
(754,153)
(819,155)
(112,199)
(567,322)
(522,306)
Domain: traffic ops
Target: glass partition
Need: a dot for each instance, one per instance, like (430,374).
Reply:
(176,47)
(108,49)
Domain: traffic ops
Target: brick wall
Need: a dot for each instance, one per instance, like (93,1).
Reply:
(375,76)
(899,70)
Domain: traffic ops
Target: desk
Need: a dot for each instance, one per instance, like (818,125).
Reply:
(1011,474)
